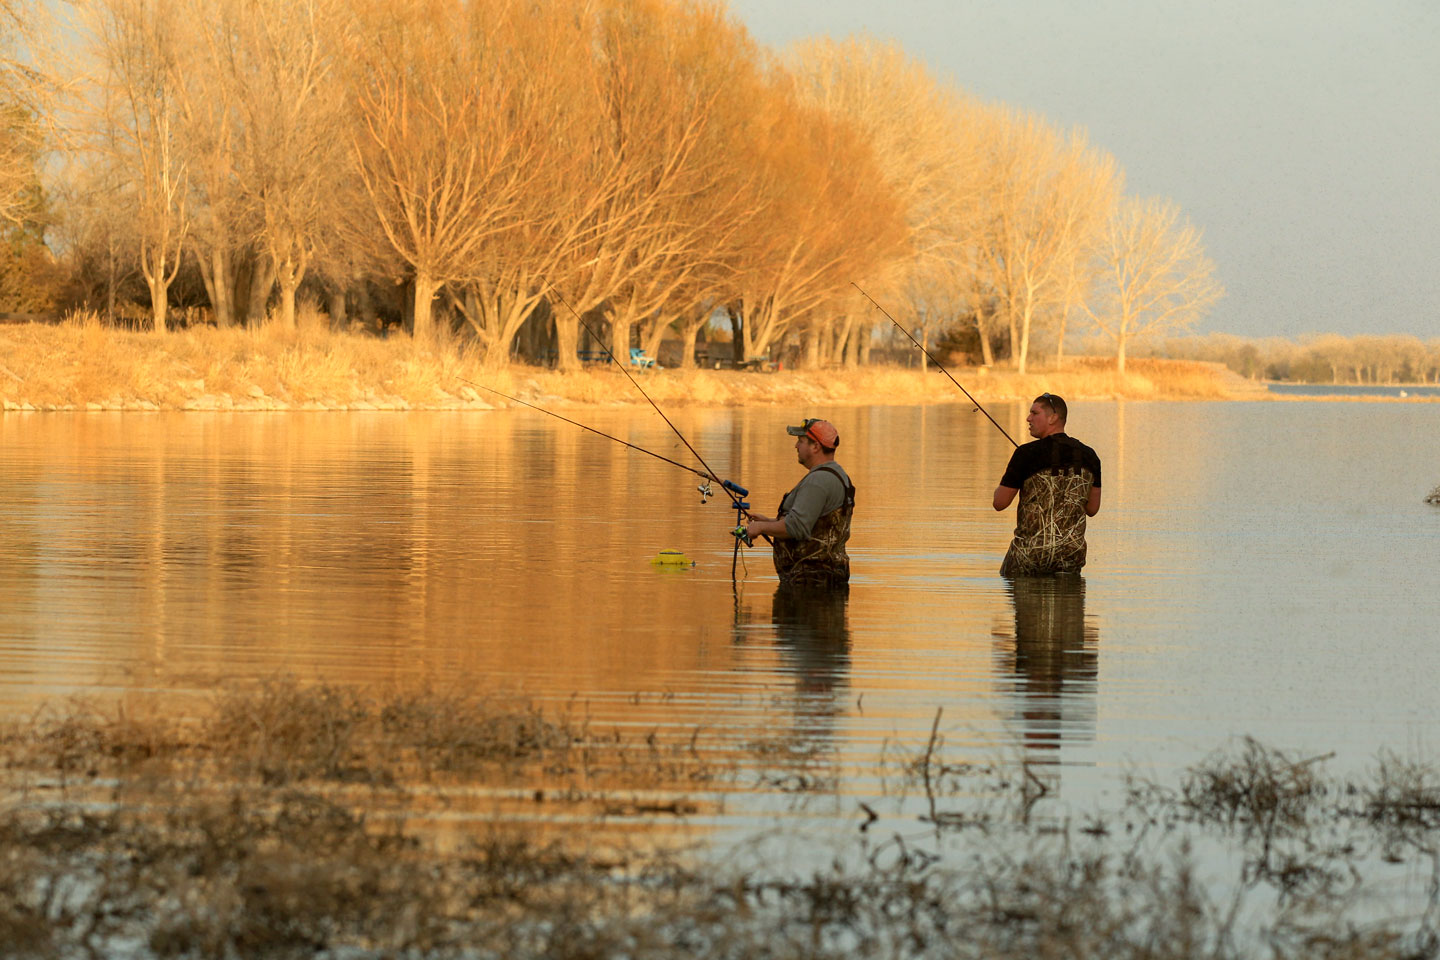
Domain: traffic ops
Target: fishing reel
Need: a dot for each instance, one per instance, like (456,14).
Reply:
(705,492)
(741,505)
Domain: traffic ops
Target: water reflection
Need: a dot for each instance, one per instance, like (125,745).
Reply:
(1051,659)
(812,631)
(808,634)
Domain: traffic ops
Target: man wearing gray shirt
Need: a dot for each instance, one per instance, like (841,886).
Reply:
(813,524)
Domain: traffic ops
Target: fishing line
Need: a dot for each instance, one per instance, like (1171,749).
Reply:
(582,426)
(936,362)
(742,509)
(732,489)
(581,320)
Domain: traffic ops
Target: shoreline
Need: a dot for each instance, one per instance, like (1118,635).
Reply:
(71,368)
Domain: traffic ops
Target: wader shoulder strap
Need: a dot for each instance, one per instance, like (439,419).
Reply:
(835,471)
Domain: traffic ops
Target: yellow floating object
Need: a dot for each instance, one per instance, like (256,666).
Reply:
(672,558)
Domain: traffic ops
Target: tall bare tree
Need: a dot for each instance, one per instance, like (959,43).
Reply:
(827,218)
(137,45)
(27,94)
(434,93)
(1154,275)
(1045,197)
(926,137)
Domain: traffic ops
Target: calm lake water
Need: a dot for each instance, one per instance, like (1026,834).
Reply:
(1265,569)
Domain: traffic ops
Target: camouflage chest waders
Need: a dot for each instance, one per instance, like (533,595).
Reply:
(820,560)
(1050,523)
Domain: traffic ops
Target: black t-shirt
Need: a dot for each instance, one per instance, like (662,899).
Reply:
(1058,451)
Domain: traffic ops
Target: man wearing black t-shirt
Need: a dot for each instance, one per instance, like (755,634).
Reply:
(1058,480)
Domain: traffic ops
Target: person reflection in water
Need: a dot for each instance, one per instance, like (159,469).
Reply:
(1053,659)
(812,631)
(1058,480)
(813,524)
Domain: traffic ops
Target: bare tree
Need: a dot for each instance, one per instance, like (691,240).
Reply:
(925,136)
(27,99)
(137,44)
(262,131)
(1154,275)
(827,219)
(222,224)
(434,93)
(1045,197)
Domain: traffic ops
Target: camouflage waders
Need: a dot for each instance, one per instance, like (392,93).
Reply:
(1050,523)
(821,560)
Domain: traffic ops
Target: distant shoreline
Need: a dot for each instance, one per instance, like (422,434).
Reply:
(76,367)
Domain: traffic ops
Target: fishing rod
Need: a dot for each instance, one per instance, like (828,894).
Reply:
(704,489)
(742,508)
(936,362)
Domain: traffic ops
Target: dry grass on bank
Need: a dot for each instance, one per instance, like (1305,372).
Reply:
(82,365)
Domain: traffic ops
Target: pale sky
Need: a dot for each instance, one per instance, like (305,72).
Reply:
(1302,137)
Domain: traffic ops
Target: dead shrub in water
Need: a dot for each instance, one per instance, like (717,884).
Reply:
(292,872)
(1406,794)
(246,856)
(284,732)
(454,734)
(1261,788)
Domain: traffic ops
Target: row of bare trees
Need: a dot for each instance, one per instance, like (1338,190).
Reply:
(1327,358)
(512,166)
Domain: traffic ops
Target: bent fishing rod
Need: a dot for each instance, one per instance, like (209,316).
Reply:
(742,509)
(936,362)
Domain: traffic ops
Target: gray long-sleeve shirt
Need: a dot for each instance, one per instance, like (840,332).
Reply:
(819,492)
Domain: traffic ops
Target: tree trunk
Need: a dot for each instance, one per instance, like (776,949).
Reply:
(207,277)
(288,284)
(290,275)
(739,332)
(366,304)
(567,341)
(846,345)
(688,332)
(867,341)
(1024,350)
(337,306)
(424,327)
(262,281)
(159,293)
(620,334)
(110,286)
(224,298)
(1120,355)
(219,284)
(982,325)
(159,287)
(811,340)
(650,344)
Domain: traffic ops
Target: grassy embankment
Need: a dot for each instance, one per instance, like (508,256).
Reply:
(288,821)
(88,367)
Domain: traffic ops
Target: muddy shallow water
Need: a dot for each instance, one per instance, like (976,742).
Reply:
(1256,569)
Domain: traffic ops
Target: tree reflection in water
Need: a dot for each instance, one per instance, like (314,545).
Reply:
(1051,658)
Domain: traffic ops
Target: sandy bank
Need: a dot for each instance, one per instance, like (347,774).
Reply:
(93,368)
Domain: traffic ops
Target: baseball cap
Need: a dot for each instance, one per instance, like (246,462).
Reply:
(822,432)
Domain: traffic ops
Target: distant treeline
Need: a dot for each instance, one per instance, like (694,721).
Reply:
(486,172)
(1328,358)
